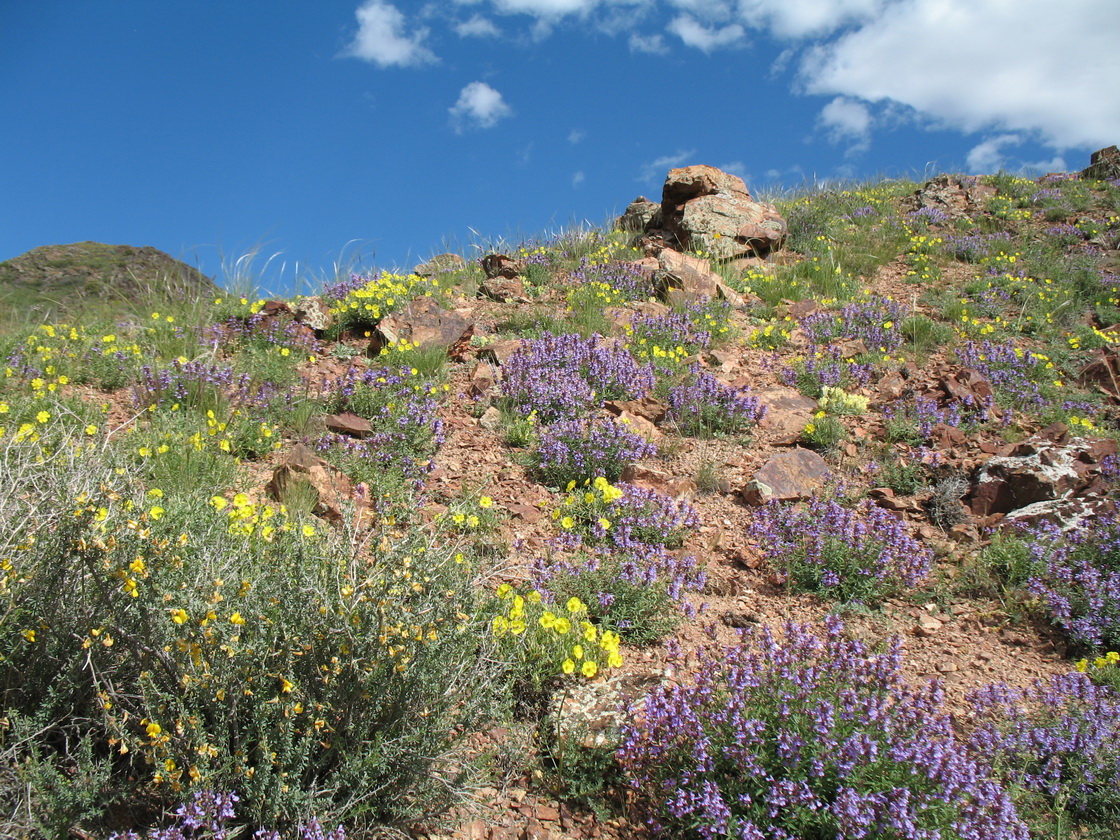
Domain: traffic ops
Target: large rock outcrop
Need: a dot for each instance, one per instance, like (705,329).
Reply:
(704,208)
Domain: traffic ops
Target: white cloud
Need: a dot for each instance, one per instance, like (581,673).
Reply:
(847,120)
(578,179)
(988,157)
(477,27)
(656,170)
(695,34)
(575,135)
(382,40)
(546,8)
(973,65)
(802,18)
(652,44)
(479,106)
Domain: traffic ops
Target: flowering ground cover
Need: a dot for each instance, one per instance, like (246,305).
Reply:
(259,578)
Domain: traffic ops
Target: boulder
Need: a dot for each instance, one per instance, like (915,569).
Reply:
(641,215)
(314,312)
(502,289)
(501,265)
(953,196)
(440,264)
(1104,165)
(349,424)
(1103,374)
(685,274)
(704,208)
(331,487)
(1039,470)
(787,412)
(425,323)
(788,476)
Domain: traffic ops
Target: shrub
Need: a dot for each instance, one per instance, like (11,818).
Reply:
(209,815)
(234,650)
(1057,742)
(821,546)
(1078,579)
(580,450)
(807,736)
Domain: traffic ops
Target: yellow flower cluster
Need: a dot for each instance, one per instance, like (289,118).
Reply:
(838,401)
(771,337)
(249,519)
(560,637)
(383,294)
(471,515)
(1109,660)
(587,507)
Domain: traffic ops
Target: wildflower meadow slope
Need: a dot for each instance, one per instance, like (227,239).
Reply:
(586,538)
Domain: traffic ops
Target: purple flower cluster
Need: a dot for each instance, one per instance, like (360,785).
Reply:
(925,413)
(671,330)
(188,383)
(638,590)
(566,375)
(925,216)
(639,565)
(629,280)
(702,405)
(646,517)
(208,815)
(807,736)
(821,546)
(825,367)
(975,247)
(877,321)
(1013,372)
(407,430)
(334,292)
(577,450)
(1078,578)
(862,212)
(1059,739)
(264,330)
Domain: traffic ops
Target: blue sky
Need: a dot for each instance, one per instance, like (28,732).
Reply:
(377,133)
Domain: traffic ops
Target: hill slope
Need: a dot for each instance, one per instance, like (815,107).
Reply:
(92,277)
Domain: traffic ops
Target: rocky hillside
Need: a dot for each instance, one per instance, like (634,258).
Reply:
(62,280)
(736,519)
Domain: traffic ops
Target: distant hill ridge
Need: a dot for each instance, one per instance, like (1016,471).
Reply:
(57,279)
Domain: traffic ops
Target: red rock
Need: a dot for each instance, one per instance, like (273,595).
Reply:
(440,264)
(482,379)
(787,412)
(331,487)
(691,275)
(501,265)
(650,408)
(425,323)
(314,312)
(502,289)
(705,208)
(350,424)
(786,477)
